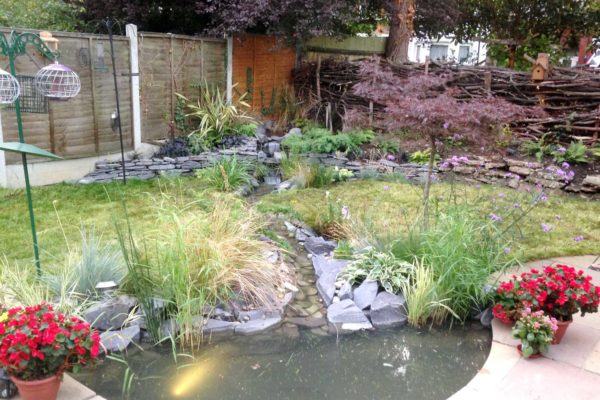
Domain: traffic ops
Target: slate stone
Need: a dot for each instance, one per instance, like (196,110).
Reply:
(307,322)
(110,314)
(346,316)
(119,340)
(319,246)
(294,132)
(322,264)
(365,294)
(257,326)
(300,235)
(345,291)
(169,327)
(216,326)
(271,148)
(388,310)
(326,285)
(486,317)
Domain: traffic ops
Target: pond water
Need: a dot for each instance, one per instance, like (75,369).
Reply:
(394,364)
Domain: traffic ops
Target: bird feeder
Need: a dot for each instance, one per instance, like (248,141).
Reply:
(9,88)
(57,81)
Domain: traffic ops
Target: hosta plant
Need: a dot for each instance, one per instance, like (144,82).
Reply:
(373,265)
(535,331)
(37,342)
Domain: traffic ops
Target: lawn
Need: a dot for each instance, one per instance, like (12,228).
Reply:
(572,224)
(62,210)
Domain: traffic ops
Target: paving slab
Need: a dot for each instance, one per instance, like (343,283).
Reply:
(570,370)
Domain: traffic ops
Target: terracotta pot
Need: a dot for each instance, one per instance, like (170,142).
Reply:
(562,329)
(536,355)
(42,389)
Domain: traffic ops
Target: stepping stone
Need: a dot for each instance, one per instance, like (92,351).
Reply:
(388,310)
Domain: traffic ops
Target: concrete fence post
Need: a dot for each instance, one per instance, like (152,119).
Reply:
(131,31)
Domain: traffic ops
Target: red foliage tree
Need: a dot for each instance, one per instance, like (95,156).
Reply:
(427,104)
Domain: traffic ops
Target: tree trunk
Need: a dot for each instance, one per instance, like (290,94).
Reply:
(402,15)
(427,188)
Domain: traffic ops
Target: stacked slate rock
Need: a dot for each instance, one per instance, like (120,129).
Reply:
(113,317)
(351,308)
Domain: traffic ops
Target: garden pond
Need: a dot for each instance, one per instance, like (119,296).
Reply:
(388,364)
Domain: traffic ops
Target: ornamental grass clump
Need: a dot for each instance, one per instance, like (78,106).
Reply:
(36,342)
(535,331)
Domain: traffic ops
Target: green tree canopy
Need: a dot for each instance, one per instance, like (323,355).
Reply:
(39,14)
(538,25)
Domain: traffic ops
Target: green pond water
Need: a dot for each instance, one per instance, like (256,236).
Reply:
(391,364)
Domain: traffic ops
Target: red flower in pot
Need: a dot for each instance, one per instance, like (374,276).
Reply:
(37,345)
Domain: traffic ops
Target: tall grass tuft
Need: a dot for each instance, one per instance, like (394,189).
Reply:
(423,303)
(226,175)
(95,262)
(462,249)
(203,255)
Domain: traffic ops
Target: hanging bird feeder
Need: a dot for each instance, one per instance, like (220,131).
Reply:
(9,88)
(57,82)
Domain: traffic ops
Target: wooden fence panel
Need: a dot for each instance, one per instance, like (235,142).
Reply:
(79,127)
(262,67)
(172,64)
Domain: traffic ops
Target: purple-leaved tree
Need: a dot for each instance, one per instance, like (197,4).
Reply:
(426,104)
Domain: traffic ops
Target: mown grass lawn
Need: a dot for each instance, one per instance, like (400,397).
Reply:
(572,223)
(62,210)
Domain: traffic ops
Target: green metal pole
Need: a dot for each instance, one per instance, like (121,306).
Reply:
(36,250)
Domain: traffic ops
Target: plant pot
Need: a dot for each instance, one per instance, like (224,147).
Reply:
(562,329)
(42,389)
(536,355)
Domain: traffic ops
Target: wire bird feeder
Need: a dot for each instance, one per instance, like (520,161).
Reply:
(9,88)
(57,81)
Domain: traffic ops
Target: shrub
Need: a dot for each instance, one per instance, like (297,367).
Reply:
(320,140)
(226,175)
(248,129)
(539,148)
(373,265)
(387,146)
(575,153)
(215,117)
(421,157)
